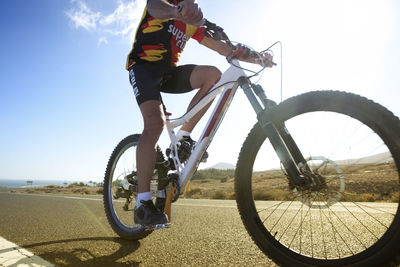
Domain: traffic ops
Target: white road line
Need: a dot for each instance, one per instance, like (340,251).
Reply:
(14,255)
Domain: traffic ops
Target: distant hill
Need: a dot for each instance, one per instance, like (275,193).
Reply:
(384,157)
(222,166)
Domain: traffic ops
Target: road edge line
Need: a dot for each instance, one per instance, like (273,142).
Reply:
(13,255)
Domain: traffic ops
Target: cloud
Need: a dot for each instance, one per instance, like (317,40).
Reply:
(82,16)
(121,22)
(102,40)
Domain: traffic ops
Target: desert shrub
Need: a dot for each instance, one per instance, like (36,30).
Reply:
(368,197)
(395,197)
(262,195)
(224,180)
(213,174)
(99,191)
(82,191)
(219,194)
(272,194)
(195,192)
(359,197)
(231,195)
(195,189)
(76,184)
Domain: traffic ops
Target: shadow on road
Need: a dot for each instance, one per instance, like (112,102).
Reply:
(87,251)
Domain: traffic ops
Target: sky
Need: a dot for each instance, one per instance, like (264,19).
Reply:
(65,98)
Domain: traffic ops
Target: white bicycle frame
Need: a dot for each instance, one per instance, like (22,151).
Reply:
(227,87)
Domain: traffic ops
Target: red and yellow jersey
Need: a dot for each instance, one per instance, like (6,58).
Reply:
(161,41)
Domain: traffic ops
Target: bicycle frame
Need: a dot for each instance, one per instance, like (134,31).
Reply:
(227,86)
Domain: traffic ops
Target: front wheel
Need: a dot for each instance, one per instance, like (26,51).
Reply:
(352,145)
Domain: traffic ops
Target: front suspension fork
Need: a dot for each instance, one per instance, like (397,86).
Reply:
(285,147)
(281,140)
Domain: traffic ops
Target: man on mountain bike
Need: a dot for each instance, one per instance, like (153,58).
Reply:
(160,38)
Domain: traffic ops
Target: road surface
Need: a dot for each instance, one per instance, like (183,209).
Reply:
(72,230)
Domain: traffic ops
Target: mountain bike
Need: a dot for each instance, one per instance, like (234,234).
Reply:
(316,180)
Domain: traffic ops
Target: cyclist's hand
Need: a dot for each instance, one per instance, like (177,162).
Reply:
(264,59)
(240,52)
(190,13)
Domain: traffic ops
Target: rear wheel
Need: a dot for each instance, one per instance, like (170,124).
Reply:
(120,189)
(352,146)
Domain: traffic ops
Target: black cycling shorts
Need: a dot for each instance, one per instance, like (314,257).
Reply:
(148,80)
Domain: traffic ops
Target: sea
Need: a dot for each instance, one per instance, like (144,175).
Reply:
(13,183)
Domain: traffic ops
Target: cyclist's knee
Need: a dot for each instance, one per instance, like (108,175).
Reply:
(213,73)
(153,118)
(154,125)
(204,77)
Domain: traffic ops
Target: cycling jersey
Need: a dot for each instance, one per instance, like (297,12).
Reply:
(161,41)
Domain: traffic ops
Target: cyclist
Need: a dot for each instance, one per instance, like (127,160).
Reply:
(152,63)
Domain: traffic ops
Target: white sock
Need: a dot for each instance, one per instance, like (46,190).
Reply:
(181,134)
(145,196)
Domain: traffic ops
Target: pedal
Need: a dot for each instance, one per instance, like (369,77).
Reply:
(204,157)
(157,226)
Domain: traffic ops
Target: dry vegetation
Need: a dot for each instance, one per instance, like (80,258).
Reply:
(362,183)
(74,188)
(370,183)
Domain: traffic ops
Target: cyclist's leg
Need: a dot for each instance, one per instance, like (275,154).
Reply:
(145,80)
(153,118)
(202,77)
(145,212)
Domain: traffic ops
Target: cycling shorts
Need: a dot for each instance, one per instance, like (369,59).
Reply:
(148,80)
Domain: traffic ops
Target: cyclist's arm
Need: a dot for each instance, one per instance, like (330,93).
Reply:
(218,46)
(161,9)
(222,48)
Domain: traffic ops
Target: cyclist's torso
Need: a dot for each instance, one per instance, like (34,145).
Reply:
(161,41)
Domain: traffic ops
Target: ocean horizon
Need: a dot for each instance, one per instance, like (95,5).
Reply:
(13,183)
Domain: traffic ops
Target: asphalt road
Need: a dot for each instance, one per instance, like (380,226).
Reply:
(72,230)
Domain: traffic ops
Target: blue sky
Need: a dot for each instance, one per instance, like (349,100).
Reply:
(65,99)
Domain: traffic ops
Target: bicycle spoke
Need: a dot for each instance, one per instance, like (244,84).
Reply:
(335,230)
(281,216)
(323,233)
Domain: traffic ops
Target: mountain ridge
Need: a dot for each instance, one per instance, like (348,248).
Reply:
(222,166)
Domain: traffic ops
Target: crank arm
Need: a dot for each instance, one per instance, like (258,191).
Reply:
(170,189)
